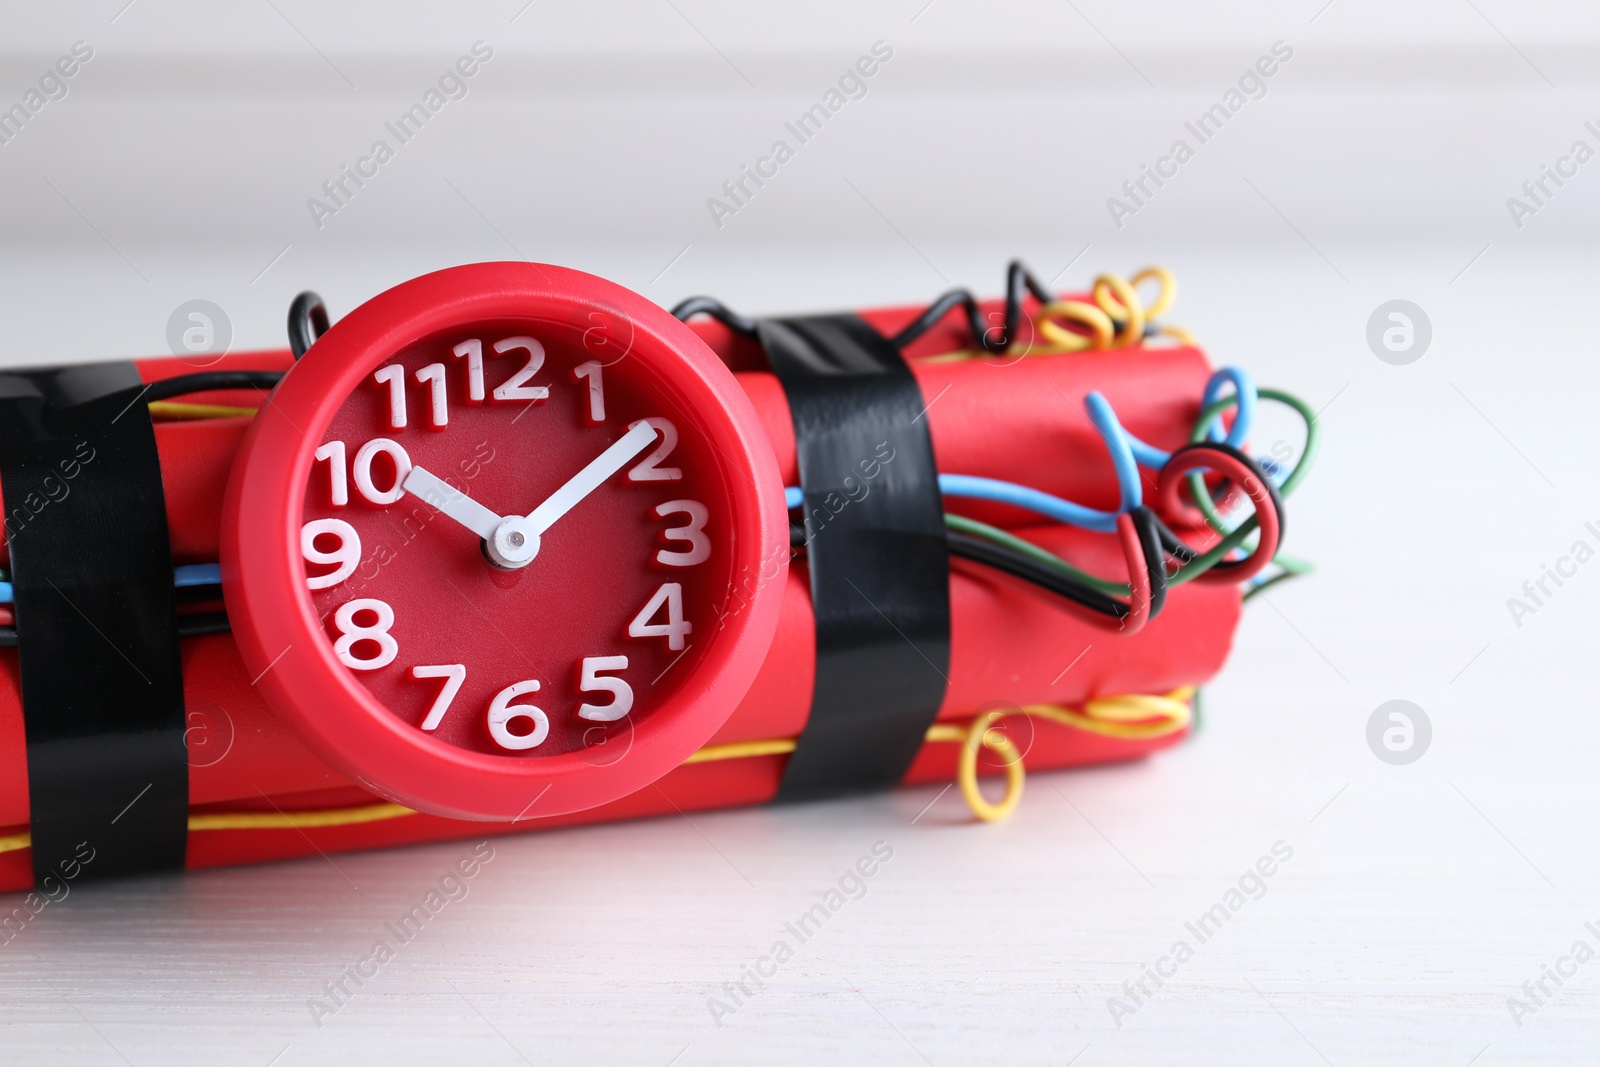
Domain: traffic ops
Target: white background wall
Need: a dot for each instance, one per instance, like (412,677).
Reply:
(194,138)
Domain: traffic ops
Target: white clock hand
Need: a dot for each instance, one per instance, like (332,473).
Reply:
(512,541)
(589,479)
(449,500)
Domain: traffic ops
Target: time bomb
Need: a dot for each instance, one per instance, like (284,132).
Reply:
(509,546)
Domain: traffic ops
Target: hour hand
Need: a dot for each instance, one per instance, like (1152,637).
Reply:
(450,501)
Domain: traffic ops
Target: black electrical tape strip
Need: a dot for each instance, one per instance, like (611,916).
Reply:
(877,555)
(96,623)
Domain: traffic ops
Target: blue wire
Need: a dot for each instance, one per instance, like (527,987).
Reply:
(1150,456)
(1127,453)
(190,574)
(976,488)
(1245,415)
(1147,454)
(197,574)
(1053,507)
(1118,444)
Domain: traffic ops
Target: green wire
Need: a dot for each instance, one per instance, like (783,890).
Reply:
(1255,590)
(1197,489)
(1033,552)
(1288,567)
(1189,571)
(1231,539)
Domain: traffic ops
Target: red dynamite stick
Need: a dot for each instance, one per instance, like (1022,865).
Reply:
(1018,420)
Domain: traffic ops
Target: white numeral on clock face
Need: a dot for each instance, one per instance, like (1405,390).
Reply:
(394,376)
(502,712)
(473,351)
(590,372)
(352,633)
(649,469)
(345,557)
(694,532)
(670,597)
(438,408)
(453,674)
(516,387)
(361,470)
(338,483)
(621,692)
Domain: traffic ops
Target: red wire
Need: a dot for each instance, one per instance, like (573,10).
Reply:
(1138,578)
(1251,481)
(1139,585)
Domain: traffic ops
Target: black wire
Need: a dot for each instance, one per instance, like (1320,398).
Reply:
(211,622)
(1001,558)
(209,381)
(1017,278)
(1148,527)
(705,305)
(1173,545)
(308,320)
(1009,561)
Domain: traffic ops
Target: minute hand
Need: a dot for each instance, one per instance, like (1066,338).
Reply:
(590,478)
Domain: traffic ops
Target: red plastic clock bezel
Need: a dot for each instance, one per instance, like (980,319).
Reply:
(281,639)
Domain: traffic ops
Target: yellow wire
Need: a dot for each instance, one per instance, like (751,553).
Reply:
(175,409)
(296,820)
(1117,298)
(777,746)
(1137,716)
(1134,717)
(1089,316)
(1115,317)
(971,738)
(1164,296)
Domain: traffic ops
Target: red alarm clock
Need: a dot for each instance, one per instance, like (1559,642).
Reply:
(508,541)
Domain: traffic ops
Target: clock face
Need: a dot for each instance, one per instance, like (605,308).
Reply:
(508,541)
(516,547)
